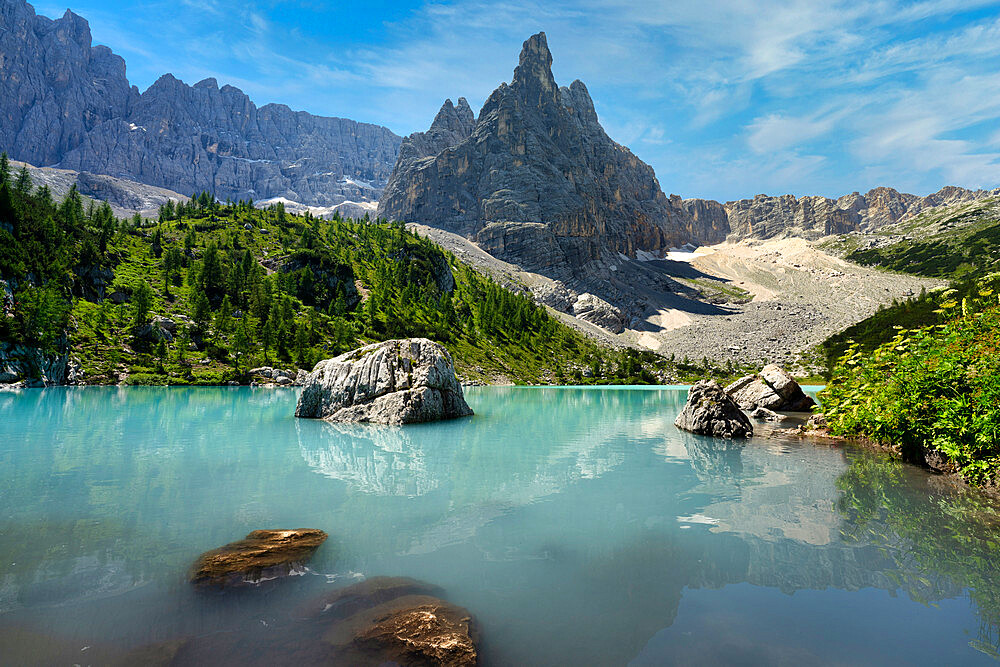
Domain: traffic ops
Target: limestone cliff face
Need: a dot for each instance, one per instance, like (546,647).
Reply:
(709,221)
(55,87)
(535,179)
(766,217)
(66,103)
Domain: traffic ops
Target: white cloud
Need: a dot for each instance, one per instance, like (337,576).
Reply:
(776,132)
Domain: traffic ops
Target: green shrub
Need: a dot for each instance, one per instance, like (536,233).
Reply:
(929,390)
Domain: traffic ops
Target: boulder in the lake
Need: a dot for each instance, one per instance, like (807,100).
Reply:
(710,411)
(773,389)
(393,382)
(392,620)
(261,555)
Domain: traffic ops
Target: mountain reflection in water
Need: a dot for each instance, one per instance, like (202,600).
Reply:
(577,524)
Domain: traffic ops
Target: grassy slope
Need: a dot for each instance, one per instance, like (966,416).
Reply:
(957,243)
(496,354)
(922,376)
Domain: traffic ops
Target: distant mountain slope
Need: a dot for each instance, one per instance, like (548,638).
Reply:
(125,197)
(767,216)
(956,241)
(66,103)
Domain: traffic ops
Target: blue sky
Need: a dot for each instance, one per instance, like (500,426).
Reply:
(724,98)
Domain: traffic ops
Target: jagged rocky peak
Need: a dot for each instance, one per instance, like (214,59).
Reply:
(55,86)
(537,181)
(577,100)
(452,125)
(458,119)
(533,75)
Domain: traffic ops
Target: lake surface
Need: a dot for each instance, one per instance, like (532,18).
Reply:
(578,525)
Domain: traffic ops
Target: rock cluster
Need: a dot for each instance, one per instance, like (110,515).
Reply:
(284,377)
(65,102)
(263,554)
(597,311)
(710,411)
(772,389)
(393,382)
(157,329)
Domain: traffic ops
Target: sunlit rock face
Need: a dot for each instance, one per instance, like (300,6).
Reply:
(393,382)
(767,216)
(66,102)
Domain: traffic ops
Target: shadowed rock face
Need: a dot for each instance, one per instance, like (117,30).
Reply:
(55,87)
(534,179)
(393,382)
(64,102)
(710,411)
(263,554)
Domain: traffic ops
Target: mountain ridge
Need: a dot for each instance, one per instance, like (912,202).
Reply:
(535,180)
(68,104)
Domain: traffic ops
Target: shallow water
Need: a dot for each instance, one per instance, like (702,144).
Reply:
(578,525)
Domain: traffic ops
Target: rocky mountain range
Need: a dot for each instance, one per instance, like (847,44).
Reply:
(535,180)
(68,104)
(765,216)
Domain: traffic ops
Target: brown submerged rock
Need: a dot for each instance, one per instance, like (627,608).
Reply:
(396,620)
(345,602)
(263,554)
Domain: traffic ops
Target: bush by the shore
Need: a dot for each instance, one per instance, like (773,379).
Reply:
(932,393)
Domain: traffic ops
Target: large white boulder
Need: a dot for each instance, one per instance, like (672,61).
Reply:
(393,382)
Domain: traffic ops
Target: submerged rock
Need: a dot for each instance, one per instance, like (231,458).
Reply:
(766,415)
(263,554)
(773,389)
(393,382)
(710,411)
(396,621)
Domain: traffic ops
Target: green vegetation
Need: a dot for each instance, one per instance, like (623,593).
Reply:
(957,243)
(718,291)
(931,392)
(210,290)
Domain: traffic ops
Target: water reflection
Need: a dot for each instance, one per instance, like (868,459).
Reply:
(381,460)
(574,523)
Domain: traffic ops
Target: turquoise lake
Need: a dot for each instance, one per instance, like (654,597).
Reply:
(578,526)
